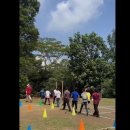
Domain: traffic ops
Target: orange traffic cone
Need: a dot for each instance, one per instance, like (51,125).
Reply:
(81,127)
(29,107)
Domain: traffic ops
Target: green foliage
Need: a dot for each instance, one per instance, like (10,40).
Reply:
(87,58)
(108,91)
(28,33)
(23,83)
(28,36)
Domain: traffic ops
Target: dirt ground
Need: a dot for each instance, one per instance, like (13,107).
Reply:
(58,119)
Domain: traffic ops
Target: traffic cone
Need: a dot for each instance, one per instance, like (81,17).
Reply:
(29,107)
(40,103)
(29,127)
(52,106)
(20,103)
(73,112)
(114,125)
(81,127)
(44,113)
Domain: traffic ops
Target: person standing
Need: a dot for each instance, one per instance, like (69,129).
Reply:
(75,96)
(47,96)
(58,95)
(42,95)
(89,98)
(84,101)
(96,96)
(66,99)
(28,93)
(54,95)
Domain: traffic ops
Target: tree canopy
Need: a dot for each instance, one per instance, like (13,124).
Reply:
(86,60)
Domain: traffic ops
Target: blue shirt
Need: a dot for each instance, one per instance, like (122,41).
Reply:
(75,95)
(42,93)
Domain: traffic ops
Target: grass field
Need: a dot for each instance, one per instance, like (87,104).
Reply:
(58,119)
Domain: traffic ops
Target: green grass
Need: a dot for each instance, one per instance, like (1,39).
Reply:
(107,101)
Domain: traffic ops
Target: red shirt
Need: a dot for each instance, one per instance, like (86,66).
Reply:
(28,90)
(96,97)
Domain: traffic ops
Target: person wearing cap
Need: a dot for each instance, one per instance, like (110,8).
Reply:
(28,93)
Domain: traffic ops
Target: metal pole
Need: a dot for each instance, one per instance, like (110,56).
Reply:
(56,84)
(62,89)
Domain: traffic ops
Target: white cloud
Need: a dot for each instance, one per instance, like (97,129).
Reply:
(71,13)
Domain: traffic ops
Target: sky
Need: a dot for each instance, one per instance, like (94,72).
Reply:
(61,19)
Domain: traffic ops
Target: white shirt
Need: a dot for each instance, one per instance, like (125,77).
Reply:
(55,92)
(48,94)
(58,94)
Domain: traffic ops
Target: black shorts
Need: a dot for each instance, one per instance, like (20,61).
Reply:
(88,102)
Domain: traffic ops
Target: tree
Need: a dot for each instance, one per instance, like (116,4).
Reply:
(112,45)
(53,54)
(28,33)
(88,58)
(28,36)
(50,50)
(109,84)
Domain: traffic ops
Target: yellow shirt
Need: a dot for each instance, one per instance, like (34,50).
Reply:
(88,95)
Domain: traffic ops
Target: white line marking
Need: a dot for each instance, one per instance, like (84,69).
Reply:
(100,116)
(106,108)
(107,117)
(106,128)
(106,112)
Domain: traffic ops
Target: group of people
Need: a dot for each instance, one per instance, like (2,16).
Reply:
(85,95)
(86,98)
(46,95)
